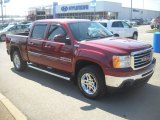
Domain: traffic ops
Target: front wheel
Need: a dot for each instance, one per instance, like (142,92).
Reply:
(19,64)
(135,36)
(91,82)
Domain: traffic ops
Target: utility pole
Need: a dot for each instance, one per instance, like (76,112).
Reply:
(93,4)
(1,2)
(131,10)
(143,9)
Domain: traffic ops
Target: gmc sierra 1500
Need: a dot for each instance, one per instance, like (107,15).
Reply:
(83,50)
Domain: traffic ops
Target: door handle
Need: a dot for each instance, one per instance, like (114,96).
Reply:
(31,43)
(47,46)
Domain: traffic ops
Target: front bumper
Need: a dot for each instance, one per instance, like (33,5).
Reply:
(114,81)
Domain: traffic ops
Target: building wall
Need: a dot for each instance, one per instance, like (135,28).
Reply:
(137,13)
(102,7)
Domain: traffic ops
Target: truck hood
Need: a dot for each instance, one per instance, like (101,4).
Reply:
(116,45)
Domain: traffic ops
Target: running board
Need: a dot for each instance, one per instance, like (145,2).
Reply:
(50,73)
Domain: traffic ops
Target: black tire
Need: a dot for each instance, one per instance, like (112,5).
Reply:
(18,63)
(152,26)
(135,36)
(98,82)
(2,37)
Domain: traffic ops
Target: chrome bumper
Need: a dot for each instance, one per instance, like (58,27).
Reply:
(113,81)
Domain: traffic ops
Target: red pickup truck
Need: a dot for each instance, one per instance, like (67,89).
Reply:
(84,51)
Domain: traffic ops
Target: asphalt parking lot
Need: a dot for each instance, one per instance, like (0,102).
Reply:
(43,97)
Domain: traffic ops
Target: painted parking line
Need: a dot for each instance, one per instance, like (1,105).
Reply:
(18,115)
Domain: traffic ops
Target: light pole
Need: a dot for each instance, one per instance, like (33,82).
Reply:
(143,9)
(4,12)
(1,2)
(131,10)
(93,4)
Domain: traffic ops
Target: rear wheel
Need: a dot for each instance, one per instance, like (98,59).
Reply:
(19,64)
(91,82)
(3,37)
(135,36)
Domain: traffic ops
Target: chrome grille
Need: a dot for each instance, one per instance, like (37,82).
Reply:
(141,59)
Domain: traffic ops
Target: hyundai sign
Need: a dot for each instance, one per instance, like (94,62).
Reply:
(76,7)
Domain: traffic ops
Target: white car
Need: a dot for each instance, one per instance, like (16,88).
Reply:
(120,28)
(13,29)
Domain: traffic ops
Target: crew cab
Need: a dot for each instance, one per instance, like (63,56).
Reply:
(83,51)
(120,28)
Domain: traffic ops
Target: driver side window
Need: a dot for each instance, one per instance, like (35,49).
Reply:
(125,25)
(55,30)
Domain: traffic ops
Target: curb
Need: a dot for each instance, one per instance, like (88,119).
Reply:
(18,115)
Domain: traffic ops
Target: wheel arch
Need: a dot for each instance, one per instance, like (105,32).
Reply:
(83,63)
(12,49)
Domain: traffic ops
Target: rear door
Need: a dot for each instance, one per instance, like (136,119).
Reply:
(57,53)
(35,43)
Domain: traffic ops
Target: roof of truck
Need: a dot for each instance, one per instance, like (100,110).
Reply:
(62,20)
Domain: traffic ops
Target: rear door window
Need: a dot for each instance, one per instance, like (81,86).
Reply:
(39,31)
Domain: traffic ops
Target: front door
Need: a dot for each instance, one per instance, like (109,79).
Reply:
(56,52)
(117,28)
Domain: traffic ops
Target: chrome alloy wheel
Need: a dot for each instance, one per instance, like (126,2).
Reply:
(17,61)
(89,83)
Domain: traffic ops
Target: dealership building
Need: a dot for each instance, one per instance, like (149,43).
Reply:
(90,10)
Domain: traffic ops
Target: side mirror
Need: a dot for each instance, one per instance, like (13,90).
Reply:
(115,35)
(62,39)
(59,38)
(130,26)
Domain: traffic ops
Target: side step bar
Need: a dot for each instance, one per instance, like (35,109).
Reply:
(50,73)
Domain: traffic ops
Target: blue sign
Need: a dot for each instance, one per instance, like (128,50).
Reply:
(64,8)
(77,7)
(6,1)
(93,3)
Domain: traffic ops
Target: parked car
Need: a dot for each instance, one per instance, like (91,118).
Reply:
(138,21)
(29,25)
(13,29)
(154,24)
(3,25)
(120,28)
(83,51)
(131,23)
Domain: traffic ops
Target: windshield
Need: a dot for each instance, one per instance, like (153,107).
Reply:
(88,30)
(8,27)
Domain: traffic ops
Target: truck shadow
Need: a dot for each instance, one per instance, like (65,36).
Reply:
(137,104)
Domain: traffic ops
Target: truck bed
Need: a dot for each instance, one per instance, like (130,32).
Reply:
(19,39)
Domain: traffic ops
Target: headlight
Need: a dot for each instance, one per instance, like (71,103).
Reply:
(121,61)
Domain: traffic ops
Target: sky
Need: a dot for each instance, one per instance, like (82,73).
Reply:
(20,7)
